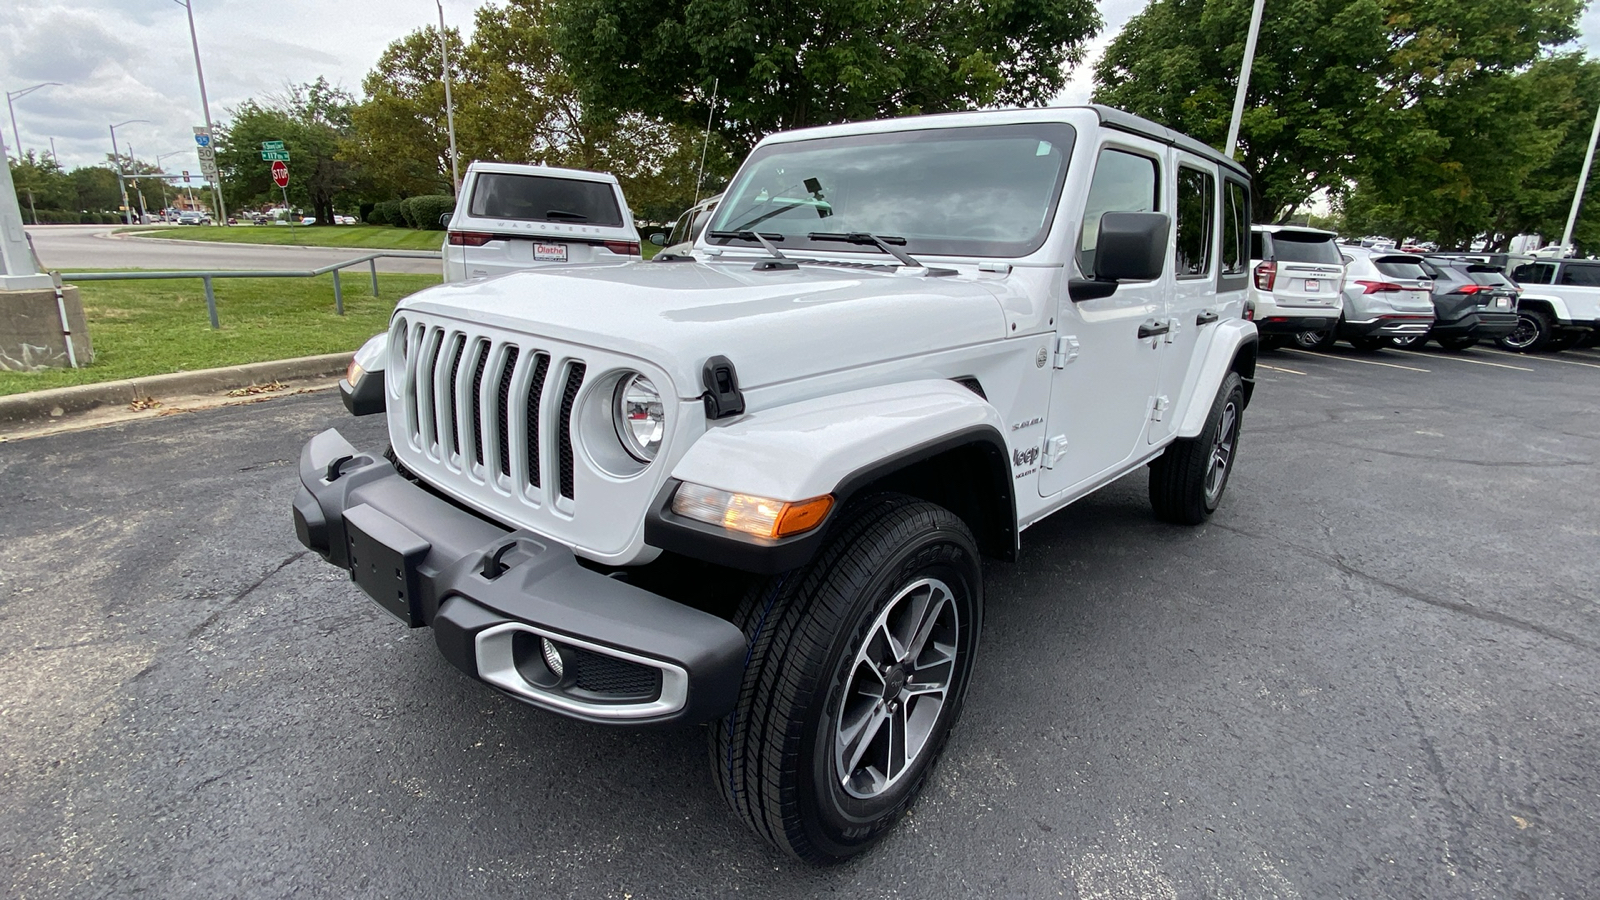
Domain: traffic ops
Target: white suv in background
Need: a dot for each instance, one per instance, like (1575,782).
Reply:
(514,216)
(1296,276)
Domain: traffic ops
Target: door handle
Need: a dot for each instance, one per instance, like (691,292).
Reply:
(1206,317)
(1151,327)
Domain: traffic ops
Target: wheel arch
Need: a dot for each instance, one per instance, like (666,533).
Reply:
(1234,346)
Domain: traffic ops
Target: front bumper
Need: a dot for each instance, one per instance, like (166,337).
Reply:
(493,596)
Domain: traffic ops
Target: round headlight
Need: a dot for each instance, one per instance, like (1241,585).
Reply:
(640,420)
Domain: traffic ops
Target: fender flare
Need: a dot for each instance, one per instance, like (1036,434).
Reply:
(1229,338)
(838,444)
(1558,306)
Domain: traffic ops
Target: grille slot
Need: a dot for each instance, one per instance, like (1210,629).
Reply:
(503,409)
(541,368)
(477,401)
(564,426)
(457,350)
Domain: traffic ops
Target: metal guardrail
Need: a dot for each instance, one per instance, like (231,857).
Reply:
(208,275)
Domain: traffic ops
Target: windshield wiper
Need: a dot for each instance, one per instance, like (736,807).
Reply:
(865,239)
(756,236)
(563,214)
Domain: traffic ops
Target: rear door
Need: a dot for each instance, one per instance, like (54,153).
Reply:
(1580,287)
(514,221)
(1197,231)
(1309,270)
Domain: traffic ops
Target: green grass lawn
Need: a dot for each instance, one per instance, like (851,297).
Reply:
(142,328)
(372,237)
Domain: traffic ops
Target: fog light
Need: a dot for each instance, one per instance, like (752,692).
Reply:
(552,657)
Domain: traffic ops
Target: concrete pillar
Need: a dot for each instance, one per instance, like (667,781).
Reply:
(30,330)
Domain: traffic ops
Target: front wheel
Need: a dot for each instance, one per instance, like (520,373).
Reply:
(857,667)
(1187,479)
(1534,330)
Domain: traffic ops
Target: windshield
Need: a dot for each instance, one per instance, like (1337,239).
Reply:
(974,191)
(542,198)
(1302,247)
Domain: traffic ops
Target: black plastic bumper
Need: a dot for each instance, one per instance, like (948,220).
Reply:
(1486,325)
(365,397)
(428,562)
(1295,324)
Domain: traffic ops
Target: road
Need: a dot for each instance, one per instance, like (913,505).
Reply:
(1375,673)
(71,247)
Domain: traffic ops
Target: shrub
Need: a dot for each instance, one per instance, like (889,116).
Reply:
(387,213)
(426,211)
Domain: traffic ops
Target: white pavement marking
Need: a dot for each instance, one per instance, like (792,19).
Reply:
(1478,362)
(1279,369)
(1365,362)
(1569,362)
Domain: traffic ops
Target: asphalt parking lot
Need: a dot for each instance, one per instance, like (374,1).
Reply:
(1375,673)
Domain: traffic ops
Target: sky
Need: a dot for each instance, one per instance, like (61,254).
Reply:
(131,59)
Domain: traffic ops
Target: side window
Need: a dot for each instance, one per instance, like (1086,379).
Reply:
(1580,275)
(1235,225)
(1123,182)
(1257,248)
(1196,212)
(1533,273)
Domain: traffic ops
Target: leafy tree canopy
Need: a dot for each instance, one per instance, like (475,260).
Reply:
(786,64)
(313,120)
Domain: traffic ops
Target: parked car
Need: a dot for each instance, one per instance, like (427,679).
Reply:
(190,217)
(685,230)
(1296,280)
(1560,304)
(514,216)
(1387,294)
(974,320)
(1472,301)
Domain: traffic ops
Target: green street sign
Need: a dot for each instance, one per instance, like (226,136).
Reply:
(272,145)
(275,156)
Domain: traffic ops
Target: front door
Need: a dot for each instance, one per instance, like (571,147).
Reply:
(1100,398)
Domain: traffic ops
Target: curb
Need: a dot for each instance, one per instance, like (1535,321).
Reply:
(56,403)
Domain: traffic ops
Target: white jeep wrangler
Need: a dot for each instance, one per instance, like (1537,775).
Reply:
(750,487)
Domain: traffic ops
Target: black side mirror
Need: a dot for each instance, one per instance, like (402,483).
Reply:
(1132,246)
(659,239)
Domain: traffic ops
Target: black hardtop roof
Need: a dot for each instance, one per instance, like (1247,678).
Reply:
(1126,121)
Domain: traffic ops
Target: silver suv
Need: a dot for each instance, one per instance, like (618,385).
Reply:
(1387,294)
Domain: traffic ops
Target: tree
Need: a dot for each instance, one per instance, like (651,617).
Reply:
(399,137)
(790,64)
(314,121)
(1312,86)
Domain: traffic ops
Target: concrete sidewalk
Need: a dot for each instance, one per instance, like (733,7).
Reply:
(37,410)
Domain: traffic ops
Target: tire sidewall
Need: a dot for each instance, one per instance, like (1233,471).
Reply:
(1232,392)
(837,823)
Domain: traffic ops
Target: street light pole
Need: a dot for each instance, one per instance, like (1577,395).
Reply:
(449,106)
(18,95)
(205,105)
(122,184)
(1244,78)
(137,187)
(1583,182)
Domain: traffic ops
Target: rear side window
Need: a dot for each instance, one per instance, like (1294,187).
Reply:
(1534,273)
(1580,276)
(533,198)
(1196,208)
(1300,247)
(1400,267)
(1235,225)
(1123,182)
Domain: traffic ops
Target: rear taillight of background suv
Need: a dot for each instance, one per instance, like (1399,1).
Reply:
(1266,275)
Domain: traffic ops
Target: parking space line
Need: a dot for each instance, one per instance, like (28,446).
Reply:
(1568,362)
(1279,369)
(1364,362)
(1479,362)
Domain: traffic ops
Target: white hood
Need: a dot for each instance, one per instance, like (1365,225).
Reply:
(774,325)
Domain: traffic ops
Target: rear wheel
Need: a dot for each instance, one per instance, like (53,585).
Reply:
(1534,330)
(1187,480)
(1456,345)
(857,667)
(1411,341)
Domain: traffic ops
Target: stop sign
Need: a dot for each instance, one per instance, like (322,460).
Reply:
(280,174)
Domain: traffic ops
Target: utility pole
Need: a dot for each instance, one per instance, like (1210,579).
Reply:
(1583,182)
(122,184)
(138,189)
(1244,78)
(205,105)
(18,95)
(449,106)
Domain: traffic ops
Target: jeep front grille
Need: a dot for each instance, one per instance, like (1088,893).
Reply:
(460,398)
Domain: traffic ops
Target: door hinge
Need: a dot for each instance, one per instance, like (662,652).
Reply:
(1054,449)
(1158,407)
(1066,350)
